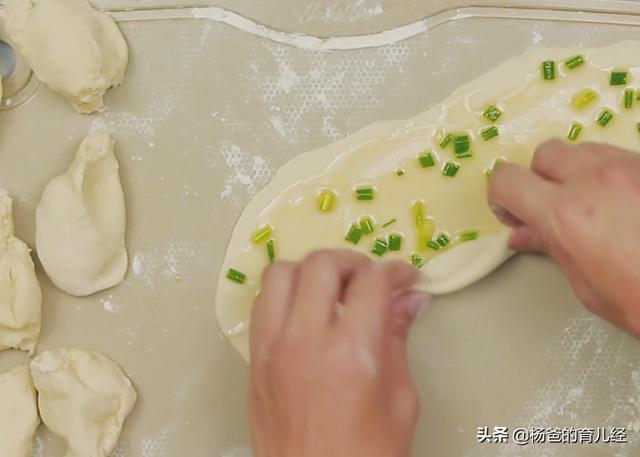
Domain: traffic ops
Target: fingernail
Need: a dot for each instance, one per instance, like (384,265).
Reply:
(416,303)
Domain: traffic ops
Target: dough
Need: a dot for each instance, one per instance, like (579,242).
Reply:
(18,413)
(20,294)
(74,49)
(84,398)
(80,222)
(533,110)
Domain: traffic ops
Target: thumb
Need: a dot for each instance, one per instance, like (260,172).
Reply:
(405,310)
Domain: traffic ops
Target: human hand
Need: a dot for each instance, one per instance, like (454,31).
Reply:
(328,379)
(580,204)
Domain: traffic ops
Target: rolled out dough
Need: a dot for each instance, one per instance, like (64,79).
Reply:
(80,222)
(84,397)
(533,110)
(18,413)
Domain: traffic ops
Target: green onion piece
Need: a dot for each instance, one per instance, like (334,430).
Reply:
(271,251)
(450,169)
(388,223)
(638,95)
(549,70)
(380,247)
(469,235)
(427,160)
(326,200)
(584,98)
(462,145)
(236,276)
(399,172)
(490,133)
(574,62)
(492,113)
(365,193)
(367,225)
(446,141)
(354,234)
(262,234)
(574,132)
(416,260)
(395,242)
(418,213)
(628,98)
(605,118)
(433,245)
(618,78)
(443,240)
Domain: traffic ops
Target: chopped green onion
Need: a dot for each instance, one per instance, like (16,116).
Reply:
(492,113)
(271,251)
(450,169)
(427,160)
(549,70)
(574,132)
(326,200)
(416,260)
(638,95)
(605,118)
(443,240)
(262,234)
(354,234)
(399,172)
(418,213)
(395,242)
(365,193)
(628,98)
(388,223)
(434,245)
(469,235)
(367,225)
(574,62)
(584,98)
(618,78)
(446,141)
(236,276)
(490,133)
(380,247)
(462,145)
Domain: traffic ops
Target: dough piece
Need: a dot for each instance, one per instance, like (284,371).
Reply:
(80,222)
(533,111)
(74,49)
(18,413)
(20,294)
(84,398)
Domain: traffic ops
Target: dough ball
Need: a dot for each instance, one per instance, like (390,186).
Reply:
(18,413)
(84,398)
(75,50)
(20,294)
(80,222)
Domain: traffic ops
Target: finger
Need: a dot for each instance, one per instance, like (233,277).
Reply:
(271,309)
(320,286)
(524,240)
(557,160)
(405,310)
(522,195)
(402,275)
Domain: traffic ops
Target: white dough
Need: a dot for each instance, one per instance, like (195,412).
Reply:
(533,110)
(18,413)
(74,49)
(80,222)
(84,398)
(20,294)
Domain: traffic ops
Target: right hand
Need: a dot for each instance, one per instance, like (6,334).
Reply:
(580,204)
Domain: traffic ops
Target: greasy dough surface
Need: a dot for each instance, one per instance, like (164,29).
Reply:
(534,110)
(74,49)
(20,294)
(80,222)
(18,413)
(84,397)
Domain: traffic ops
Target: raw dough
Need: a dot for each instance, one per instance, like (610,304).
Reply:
(80,222)
(18,413)
(534,110)
(84,397)
(20,294)
(74,49)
